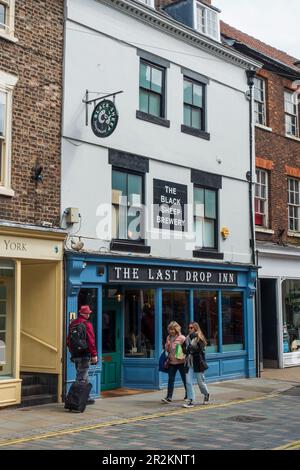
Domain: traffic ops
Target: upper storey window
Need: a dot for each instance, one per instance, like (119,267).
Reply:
(7,19)
(150,3)
(207,21)
(291,114)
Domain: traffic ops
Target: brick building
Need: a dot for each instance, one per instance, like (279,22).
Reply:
(31,244)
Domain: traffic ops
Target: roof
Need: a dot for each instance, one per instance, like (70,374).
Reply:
(259,46)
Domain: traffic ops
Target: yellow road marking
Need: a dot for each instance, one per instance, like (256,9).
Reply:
(136,419)
(295,445)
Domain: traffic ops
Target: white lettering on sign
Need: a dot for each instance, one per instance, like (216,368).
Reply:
(15,246)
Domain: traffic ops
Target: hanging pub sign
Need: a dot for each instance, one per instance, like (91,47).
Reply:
(104,118)
(170,275)
(170,200)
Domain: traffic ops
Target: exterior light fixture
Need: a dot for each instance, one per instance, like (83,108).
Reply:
(225,232)
(118,296)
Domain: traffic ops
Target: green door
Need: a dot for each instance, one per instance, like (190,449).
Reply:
(111,345)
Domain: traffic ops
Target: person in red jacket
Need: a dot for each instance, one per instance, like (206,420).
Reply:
(83,359)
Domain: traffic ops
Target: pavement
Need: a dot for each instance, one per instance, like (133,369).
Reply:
(25,424)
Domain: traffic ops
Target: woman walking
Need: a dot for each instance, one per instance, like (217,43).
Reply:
(195,364)
(173,346)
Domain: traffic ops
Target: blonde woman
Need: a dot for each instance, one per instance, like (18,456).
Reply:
(175,364)
(195,364)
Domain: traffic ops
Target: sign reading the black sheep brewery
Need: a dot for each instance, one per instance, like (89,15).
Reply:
(169,201)
(170,275)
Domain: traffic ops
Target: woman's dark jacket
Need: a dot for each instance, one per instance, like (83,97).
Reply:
(195,348)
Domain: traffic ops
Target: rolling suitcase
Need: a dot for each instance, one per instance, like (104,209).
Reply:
(77,397)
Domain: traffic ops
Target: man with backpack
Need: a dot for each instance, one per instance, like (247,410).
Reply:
(82,346)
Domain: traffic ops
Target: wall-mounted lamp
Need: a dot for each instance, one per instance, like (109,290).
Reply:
(118,296)
(225,232)
(38,170)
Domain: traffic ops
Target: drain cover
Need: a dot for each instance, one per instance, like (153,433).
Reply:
(246,419)
(293,392)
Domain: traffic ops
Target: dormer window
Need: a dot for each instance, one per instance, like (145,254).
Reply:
(207,21)
(150,3)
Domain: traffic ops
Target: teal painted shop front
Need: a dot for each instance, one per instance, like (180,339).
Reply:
(134,299)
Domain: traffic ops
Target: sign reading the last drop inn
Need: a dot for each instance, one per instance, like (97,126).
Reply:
(147,274)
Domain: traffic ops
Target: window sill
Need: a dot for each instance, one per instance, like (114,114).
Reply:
(292,137)
(129,247)
(6,192)
(264,128)
(264,230)
(293,234)
(208,254)
(153,119)
(8,37)
(195,132)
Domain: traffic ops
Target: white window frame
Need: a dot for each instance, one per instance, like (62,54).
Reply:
(264,102)
(294,204)
(7,29)
(150,3)
(259,187)
(7,84)
(207,14)
(295,114)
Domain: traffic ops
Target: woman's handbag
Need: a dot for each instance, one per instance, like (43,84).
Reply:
(163,365)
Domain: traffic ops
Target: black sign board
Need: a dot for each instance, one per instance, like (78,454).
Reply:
(170,275)
(169,201)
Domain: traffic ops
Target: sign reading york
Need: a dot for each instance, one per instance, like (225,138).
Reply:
(171,275)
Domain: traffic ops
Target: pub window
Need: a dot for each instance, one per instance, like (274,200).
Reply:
(293,205)
(7,320)
(261,198)
(206,315)
(139,323)
(193,97)
(205,218)
(89,296)
(127,200)
(152,89)
(291,114)
(260,101)
(175,307)
(233,321)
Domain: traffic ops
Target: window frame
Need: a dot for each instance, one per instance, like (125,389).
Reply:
(263,103)
(287,114)
(293,205)
(216,228)
(259,185)
(192,106)
(141,241)
(149,92)
(205,27)
(8,31)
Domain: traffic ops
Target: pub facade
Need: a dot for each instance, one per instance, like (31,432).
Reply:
(155,195)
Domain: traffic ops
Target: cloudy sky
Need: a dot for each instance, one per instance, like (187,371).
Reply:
(276,22)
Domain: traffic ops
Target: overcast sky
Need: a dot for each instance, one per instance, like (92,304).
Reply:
(276,22)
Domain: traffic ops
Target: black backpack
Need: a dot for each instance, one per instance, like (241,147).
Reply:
(78,342)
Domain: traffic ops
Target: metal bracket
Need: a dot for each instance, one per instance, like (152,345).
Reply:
(88,101)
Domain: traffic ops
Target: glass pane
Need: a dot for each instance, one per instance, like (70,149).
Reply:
(154,105)
(157,80)
(206,314)
(291,317)
(89,297)
(198,96)
(196,119)
(209,234)
(145,75)
(188,92)
(134,220)
(2,113)
(176,307)
(187,116)
(233,323)
(134,189)
(2,323)
(109,336)
(210,204)
(198,230)
(139,323)
(144,101)
(119,182)
(2,16)
(7,321)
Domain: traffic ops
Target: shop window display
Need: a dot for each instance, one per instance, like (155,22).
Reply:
(139,323)
(176,307)
(206,314)
(291,317)
(7,320)
(233,322)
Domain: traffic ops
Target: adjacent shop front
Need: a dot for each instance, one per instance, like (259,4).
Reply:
(31,299)
(134,299)
(280,305)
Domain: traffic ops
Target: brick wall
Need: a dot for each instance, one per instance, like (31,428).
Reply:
(37,60)
(283,152)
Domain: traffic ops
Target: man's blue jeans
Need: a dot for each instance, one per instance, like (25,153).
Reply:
(82,365)
(189,384)
(173,368)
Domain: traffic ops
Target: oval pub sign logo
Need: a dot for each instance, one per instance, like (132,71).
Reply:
(105,118)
